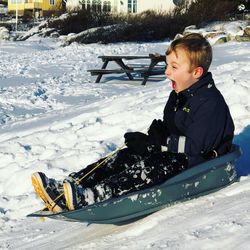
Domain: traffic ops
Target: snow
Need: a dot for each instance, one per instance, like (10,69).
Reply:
(4,33)
(55,119)
(217,30)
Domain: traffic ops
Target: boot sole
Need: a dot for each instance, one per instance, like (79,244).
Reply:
(68,195)
(37,183)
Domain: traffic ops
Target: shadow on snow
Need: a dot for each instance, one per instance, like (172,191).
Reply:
(243,163)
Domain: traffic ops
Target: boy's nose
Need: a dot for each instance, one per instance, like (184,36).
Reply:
(167,72)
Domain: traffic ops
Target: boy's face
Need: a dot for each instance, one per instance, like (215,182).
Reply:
(179,70)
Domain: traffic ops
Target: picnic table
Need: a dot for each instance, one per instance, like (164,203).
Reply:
(144,70)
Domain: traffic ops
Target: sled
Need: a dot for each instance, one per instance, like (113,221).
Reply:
(199,180)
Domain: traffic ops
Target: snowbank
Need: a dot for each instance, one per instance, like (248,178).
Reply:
(4,33)
(217,32)
(221,32)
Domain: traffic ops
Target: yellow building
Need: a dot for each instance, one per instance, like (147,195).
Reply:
(34,7)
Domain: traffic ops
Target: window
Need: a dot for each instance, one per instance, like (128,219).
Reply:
(179,2)
(16,1)
(99,5)
(132,6)
(107,6)
(52,2)
(96,5)
(88,5)
(83,3)
(129,6)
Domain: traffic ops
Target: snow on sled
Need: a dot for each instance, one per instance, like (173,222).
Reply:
(199,180)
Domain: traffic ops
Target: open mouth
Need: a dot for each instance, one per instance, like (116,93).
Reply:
(173,85)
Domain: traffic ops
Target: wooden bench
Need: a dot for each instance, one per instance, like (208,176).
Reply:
(95,72)
(144,70)
(154,72)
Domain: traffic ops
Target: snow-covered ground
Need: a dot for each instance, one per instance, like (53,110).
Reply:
(55,119)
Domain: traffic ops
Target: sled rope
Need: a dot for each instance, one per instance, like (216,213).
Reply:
(108,157)
(100,164)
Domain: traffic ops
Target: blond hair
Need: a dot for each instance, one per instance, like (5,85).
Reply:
(198,49)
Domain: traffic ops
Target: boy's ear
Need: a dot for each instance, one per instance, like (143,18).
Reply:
(198,72)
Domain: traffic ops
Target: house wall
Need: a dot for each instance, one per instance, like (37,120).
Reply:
(51,4)
(139,6)
(33,5)
(157,5)
(122,5)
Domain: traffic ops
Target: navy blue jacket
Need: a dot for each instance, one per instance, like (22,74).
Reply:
(197,121)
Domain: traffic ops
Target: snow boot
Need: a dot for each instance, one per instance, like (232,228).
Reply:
(50,191)
(73,195)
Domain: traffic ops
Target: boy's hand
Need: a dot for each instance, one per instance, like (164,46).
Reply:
(155,133)
(155,127)
(136,141)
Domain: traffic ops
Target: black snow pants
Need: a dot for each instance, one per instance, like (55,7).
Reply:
(127,172)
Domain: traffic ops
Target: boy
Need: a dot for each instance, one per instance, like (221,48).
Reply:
(196,126)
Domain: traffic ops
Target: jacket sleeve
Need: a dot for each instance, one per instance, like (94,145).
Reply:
(205,127)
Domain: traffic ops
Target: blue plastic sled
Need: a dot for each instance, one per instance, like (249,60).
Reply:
(200,180)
